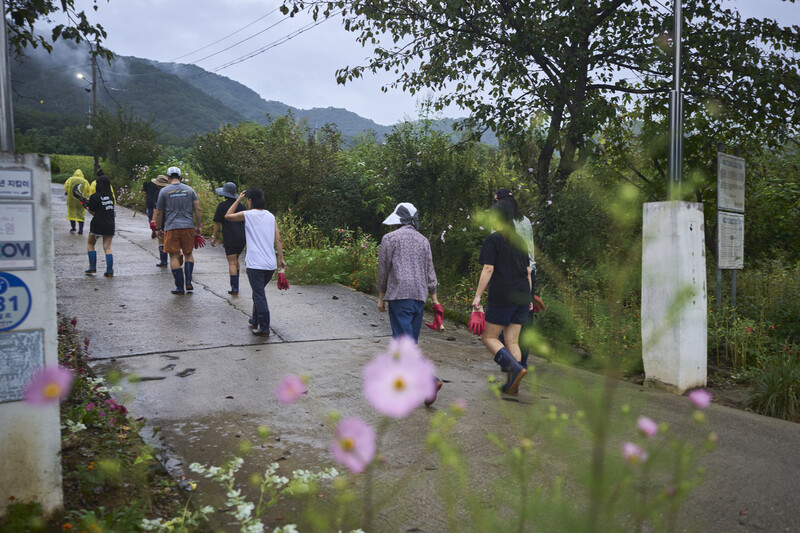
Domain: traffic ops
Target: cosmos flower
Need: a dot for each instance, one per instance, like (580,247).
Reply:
(647,426)
(290,389)
(50,384)
(354,444)
(700,398)
(397,381)
(633,453)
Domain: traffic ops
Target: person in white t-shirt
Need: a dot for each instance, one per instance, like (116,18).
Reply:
(263,239)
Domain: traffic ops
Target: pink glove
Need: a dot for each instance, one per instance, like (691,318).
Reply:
(283,285)
(199,241)
(477,323)
(538,304)
(438,316)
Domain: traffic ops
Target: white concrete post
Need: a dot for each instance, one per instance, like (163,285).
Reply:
(674,303)
(30,436)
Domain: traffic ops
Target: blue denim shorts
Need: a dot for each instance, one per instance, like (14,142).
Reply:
(503,315)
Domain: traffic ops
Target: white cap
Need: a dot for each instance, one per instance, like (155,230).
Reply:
(173,170)
(394,218)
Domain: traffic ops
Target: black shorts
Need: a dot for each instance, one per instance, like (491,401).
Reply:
(503,315)
(233,250)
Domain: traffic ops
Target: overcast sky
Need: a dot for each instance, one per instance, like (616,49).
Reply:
(300,71)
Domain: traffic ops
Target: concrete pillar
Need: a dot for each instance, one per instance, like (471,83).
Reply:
(30,436)
(674,303)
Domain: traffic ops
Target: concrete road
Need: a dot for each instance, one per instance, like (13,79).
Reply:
(207,384)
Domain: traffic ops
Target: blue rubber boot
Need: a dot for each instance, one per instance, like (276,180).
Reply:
(234,284)
(177,273)
(188,267)
(515,371)
(109,273)
(162,256)
(92,262)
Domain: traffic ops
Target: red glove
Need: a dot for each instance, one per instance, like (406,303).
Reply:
(438,316)
(153,225)
(477,323)
(538,304)
(283,285)
(199,241)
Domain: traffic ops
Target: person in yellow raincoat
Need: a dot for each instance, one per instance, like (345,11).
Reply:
(75,211)
(93,185)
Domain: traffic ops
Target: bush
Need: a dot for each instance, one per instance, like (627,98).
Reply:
(776,384)
(63,166)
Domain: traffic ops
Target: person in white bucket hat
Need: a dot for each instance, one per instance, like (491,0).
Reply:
(406,276)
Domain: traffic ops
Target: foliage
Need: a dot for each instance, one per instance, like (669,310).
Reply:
(528,84)
(352,259)
(23,517)
(285,158)
(25,14)
(63,166)
(126,141)
(776,383)
(768,293)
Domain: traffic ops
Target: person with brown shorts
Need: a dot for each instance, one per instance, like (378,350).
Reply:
(180,225)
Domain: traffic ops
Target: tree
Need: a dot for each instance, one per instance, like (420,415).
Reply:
(25,13)
(563,69)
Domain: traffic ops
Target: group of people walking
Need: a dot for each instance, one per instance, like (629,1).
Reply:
(406,275)
(406,278)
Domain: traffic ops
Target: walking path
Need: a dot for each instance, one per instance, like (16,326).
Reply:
(208,384)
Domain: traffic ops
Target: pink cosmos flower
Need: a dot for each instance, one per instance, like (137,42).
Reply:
(633,453)
(290,389)
(700,398)
(397,381)
(647,426)
(50,384)
(354,445)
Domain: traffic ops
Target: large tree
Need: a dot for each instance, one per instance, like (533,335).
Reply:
(23,15)
(550,74)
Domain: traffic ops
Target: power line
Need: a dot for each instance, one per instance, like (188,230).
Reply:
(229,35)
(263,49)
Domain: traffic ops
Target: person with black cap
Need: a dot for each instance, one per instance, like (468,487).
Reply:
(524,230)
(506,275)
(233,234)
(406,276)
(178,213)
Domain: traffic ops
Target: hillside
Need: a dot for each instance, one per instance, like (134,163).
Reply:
(181,100)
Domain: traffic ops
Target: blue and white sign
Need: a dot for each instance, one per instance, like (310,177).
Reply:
(15,301)
(16,183)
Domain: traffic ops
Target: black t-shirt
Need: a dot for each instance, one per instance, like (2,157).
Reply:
(509,283)
(151,191)
(103,218)
(232,232)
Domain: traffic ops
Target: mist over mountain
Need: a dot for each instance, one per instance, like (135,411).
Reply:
(182,100)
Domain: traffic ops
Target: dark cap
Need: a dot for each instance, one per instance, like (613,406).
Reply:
(502,193)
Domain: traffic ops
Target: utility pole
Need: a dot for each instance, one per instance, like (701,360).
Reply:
(675,155)
(6,109)
(94,111)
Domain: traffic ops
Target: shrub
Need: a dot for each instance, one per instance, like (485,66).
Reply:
(63,166)
(776,384)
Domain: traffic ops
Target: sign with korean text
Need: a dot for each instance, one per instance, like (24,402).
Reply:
(730,239)
(21,355)
(17,245)
(730,183)
(16,183)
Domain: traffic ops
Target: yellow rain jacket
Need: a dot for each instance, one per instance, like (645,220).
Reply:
(75,210)
(93,189)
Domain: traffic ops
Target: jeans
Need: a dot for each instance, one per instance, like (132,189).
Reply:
(258,280)
(405,317)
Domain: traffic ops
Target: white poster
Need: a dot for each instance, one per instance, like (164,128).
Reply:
(17,245)
(730,239)
(730,183)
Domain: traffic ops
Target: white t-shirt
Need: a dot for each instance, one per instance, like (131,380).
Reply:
(259,229)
